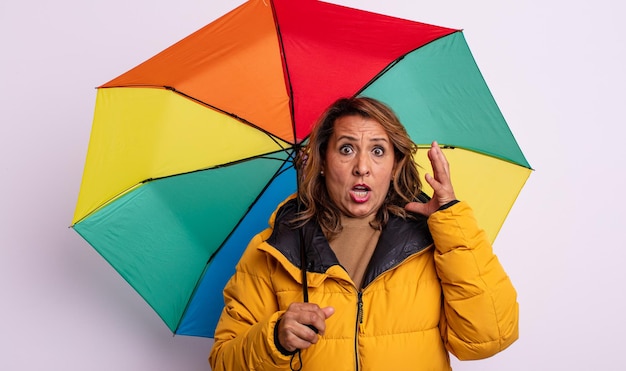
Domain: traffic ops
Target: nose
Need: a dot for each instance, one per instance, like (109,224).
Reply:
(362,165)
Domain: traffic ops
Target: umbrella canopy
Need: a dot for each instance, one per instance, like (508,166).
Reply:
(192,150)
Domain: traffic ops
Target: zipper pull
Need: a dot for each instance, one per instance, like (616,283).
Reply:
(360,307)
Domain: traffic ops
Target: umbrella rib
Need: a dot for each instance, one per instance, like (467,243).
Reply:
(267,156)
(283,55)
(448,146)
(280,171)
(236,117)
(296,147)
(379,74)
(396,61)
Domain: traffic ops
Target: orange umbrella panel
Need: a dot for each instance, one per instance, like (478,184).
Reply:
(279,68)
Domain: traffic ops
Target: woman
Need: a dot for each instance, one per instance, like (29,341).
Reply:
(395,280)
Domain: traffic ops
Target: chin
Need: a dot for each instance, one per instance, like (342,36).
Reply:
(360,213)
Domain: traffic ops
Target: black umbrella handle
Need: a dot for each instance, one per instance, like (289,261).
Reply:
(305,286)
(303,268)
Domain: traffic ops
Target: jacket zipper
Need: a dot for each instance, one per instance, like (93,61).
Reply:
(359,321)
(359,313)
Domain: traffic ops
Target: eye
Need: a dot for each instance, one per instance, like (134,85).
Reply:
(378,151)
(346,149)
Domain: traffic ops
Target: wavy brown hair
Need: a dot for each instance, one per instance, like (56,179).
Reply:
(316,202)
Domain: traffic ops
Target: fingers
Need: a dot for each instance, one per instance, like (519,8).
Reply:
(328,311)
(433,182)
(298,324)
(440,182)
(439,163)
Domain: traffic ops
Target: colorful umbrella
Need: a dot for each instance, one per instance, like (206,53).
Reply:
(191,151)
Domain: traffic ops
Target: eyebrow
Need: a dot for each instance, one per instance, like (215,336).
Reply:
(351,138)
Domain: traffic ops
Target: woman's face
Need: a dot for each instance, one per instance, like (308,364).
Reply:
(359,165)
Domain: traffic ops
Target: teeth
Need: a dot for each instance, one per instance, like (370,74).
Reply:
(360,193)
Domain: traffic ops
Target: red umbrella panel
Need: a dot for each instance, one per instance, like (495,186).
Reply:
(191,150)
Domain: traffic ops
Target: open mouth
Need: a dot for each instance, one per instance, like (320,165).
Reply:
(360,193)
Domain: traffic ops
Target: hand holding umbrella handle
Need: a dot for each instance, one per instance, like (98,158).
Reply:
(440,182)
(293,328)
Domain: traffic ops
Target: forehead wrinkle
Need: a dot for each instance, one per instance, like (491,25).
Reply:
(354,138)
(366,128)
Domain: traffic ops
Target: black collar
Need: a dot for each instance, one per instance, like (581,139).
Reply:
(399,239)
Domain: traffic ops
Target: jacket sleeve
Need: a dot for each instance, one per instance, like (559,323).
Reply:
(244,337)
(480,313)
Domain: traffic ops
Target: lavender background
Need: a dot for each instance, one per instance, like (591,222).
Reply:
(556,68)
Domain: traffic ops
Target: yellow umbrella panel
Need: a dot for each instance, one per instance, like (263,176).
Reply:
(140,134)
(440,95)
(489,184)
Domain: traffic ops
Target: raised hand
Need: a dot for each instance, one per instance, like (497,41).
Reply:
(439,181)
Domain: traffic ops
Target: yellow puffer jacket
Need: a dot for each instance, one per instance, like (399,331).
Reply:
(419,301)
